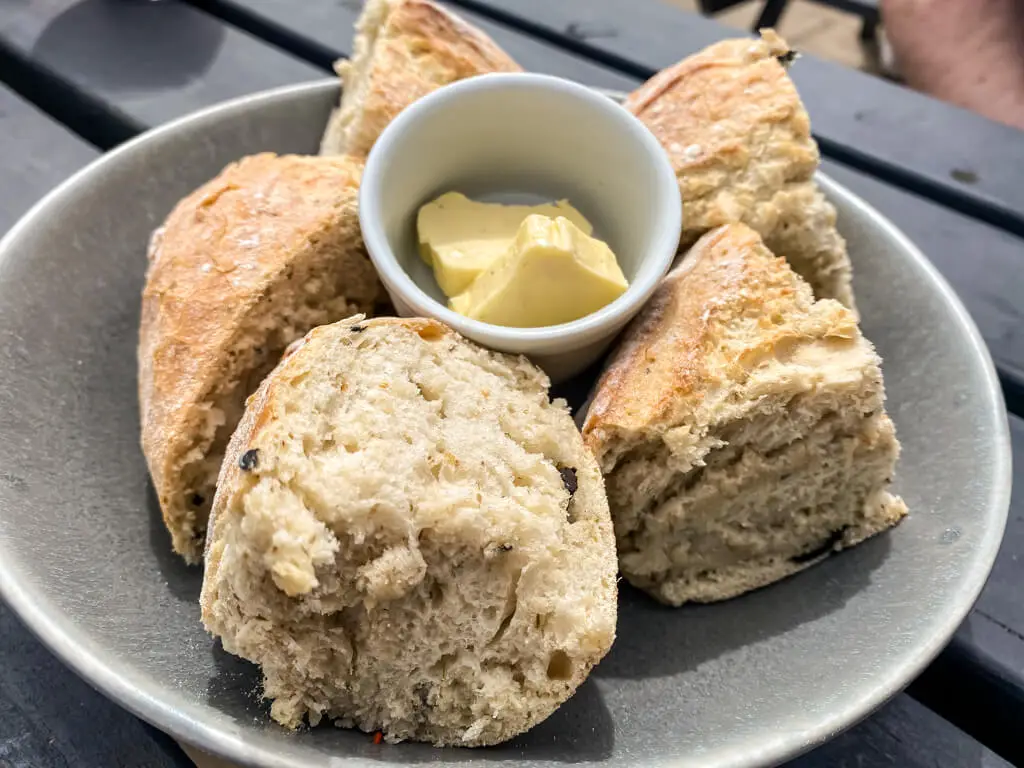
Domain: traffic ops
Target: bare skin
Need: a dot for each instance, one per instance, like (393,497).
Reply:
(966,52)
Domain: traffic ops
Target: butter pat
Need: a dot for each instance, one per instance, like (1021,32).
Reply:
(460,238)
(553,273)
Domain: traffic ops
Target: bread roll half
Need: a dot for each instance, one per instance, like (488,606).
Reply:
(242,267)
(741,427)
(740,139)
(408,536)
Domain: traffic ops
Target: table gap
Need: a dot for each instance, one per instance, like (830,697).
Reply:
(987,211)
(88,117)
(270,32)
(577,46)
(1012,383)
(977,694)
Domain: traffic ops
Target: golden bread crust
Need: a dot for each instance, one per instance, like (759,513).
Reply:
(734,127)
(671,356)
(740,141)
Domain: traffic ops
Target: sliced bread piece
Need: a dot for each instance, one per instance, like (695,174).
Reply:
(403,50)
(740,139)
(242,267)
(740,427)
(408,536)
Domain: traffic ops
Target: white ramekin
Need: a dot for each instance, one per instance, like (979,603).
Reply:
(512,137)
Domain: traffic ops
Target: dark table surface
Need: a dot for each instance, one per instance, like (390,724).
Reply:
(78,77)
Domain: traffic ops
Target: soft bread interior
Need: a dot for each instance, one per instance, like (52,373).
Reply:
(408,555)
(805,233)
(355,74)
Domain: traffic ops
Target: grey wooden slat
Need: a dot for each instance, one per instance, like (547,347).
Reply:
(984,264)
(1001,601)
(35,154)
(953,155)
(986,656)
(319,27)
(543,57)
(903,734)
(145,62)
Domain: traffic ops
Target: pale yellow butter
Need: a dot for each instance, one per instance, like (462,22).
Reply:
(553,273)
(460,238)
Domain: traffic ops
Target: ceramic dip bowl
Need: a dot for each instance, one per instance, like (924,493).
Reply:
(523,138)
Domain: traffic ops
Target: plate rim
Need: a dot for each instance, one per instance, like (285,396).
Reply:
(44,620)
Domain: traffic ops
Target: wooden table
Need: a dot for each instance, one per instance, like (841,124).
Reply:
(78,77)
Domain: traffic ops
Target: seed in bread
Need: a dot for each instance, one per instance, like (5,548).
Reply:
(408,536)
(741,427)
(740,139)
(243,266)
(403,50)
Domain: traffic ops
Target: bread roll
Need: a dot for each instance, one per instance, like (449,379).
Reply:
(408,536)
(733,125)
(404,49)
(741,428)
(242,267)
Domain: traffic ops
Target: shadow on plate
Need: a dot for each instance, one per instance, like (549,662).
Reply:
(658,641)
(123,46)
(184,581)
(236,688)
(581,730)
(576,390)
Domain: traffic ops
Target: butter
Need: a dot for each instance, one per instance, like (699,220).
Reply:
(554,272)
(460,238)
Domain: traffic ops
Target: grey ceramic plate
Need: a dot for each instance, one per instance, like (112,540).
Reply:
(85,561)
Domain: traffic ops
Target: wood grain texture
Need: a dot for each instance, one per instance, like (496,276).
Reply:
(145,63)
(310,28)
(49,718)
(953,155)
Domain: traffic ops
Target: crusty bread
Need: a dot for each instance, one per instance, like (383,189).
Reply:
(740,140)
(403,50)
(740,427)
(243,266)
(408,536)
